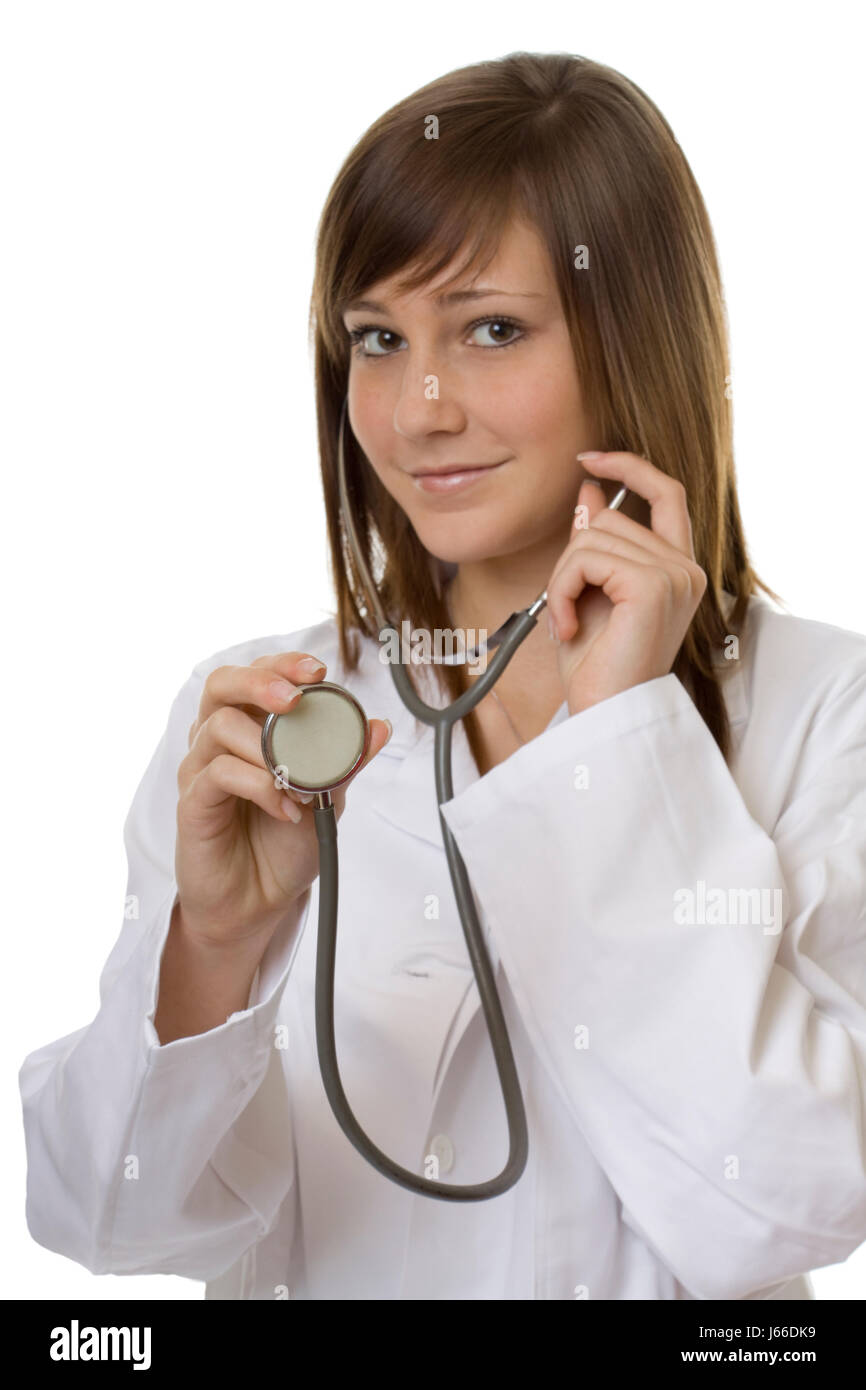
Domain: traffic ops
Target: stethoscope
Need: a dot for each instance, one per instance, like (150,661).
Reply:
(315,748)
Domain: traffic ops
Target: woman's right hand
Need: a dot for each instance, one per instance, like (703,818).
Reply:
(241,859)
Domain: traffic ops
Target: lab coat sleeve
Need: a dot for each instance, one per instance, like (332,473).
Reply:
(145,1158)
(717,1071)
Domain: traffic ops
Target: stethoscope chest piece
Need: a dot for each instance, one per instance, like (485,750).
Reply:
(320,743)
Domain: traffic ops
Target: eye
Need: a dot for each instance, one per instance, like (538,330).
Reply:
(510,325)
(357,336)
(377,336)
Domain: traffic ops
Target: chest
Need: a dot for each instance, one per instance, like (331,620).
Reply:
(497,742)
(502,732)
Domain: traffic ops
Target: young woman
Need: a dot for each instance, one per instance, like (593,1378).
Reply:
(662,808)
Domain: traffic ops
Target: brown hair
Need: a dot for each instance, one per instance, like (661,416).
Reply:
(580,152)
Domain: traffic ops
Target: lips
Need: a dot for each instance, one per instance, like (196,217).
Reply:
(454,468)
(448,482)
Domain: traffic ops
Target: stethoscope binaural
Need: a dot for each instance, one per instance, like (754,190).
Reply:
(317,747)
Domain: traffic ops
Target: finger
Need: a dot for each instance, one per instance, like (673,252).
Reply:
(622,580)
(227,730)
(591,504)
(287,665)
(592,517)
(380,732)
(617,524)
(257,687)
(226,777)
(288,662)
(666,495)
(633,548)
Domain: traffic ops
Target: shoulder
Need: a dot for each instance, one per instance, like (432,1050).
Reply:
(800,690)
(812,659)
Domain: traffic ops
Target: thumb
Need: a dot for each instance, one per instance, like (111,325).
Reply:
(380,732)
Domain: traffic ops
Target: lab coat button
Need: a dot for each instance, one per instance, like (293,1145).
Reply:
(441,1146)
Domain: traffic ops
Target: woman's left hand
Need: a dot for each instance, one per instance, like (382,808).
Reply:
(622,595)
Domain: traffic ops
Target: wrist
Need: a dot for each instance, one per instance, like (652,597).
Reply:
(200,936)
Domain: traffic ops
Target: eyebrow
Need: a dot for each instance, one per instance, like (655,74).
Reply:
(442,300)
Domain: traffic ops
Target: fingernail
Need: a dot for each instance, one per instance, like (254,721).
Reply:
(390,730)
(292,811)
(310,665)
(281,690)
(550,629)
(591,454)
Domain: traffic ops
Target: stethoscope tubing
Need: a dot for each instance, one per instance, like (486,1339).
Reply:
(443,721)
(506,641)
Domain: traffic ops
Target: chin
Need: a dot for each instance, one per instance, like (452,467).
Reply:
(459,537)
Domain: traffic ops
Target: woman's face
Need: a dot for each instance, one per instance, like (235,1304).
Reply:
(488,378)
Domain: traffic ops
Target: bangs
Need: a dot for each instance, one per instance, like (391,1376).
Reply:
(420,221)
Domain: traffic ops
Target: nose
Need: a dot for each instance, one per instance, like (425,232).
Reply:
(428,401)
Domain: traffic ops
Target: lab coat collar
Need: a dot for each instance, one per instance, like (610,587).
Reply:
(411,745)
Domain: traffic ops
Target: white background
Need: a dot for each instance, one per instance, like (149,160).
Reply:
(163,169)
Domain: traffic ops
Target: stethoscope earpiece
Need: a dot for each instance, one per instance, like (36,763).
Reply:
(320,743)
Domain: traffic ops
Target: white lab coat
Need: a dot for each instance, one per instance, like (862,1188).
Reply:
(694,1093)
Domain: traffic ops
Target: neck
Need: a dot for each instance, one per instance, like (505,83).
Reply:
(484,593)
